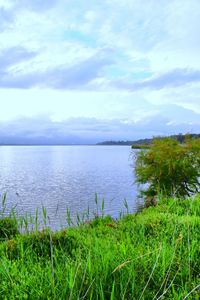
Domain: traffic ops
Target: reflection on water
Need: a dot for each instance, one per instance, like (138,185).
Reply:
(61,177)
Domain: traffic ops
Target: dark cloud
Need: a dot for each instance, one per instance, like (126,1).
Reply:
(62,77)
(15,81)
(12,56)
(172,79)
(78,75)
(82,73)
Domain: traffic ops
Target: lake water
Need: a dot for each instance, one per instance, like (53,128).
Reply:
(61,177)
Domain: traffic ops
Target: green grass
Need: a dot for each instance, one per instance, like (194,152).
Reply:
(154,254)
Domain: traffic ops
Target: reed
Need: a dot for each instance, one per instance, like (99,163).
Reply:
(153,254)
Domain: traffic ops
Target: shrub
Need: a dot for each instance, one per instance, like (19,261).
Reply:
(169,168)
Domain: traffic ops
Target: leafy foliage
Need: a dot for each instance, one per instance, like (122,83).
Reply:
(169,167)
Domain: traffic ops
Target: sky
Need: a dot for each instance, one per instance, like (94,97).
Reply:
(89,71)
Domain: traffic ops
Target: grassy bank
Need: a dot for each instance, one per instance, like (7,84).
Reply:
(152,255)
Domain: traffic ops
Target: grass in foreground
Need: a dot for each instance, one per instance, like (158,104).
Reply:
(152,255)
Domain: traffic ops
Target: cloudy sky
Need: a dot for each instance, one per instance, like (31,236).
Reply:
(87,71)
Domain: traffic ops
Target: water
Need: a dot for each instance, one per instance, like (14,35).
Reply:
(61,177)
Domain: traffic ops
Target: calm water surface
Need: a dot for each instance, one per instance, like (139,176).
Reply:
(61,177)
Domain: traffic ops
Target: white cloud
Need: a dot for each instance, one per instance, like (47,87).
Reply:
(163,33)
(150,48)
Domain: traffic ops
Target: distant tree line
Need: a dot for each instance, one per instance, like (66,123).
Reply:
(181,138)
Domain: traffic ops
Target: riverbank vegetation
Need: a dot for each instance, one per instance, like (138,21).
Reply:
(154,254)
(147,142)
(169,168)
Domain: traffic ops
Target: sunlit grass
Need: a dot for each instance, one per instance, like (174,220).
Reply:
(154,254)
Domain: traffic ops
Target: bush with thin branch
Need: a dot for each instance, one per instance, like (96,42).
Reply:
(169,168)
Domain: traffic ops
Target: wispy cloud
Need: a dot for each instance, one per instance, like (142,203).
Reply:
(15,55)
(125,51)
(172,79)
(62,77)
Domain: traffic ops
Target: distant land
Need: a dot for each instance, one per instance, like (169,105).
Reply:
(72,140)
(180,137)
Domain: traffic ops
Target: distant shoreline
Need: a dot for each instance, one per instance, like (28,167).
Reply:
(4,145)
(137,144)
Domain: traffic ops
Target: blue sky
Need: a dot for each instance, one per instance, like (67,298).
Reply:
(87,71)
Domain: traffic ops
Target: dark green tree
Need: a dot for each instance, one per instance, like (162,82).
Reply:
(169,168)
